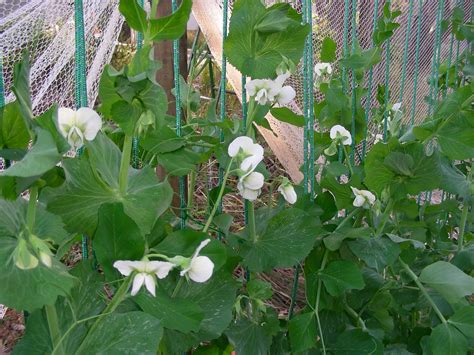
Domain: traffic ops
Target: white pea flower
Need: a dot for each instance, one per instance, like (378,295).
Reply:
(363,198)
(378,138)
(249,154)
(288,191)
(284,94)
(340,133)
(146,272)
(262,89)
(78,125)
(322,68)
(267,91)
(199,268)
(250,185)
(396,107)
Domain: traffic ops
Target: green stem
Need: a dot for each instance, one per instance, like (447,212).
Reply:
(219,198)
(125,163)
(347,219)
(250,115)
(191,184)
(348,159)
(462,226)
(384,218)
(318,297)
(354,314)
(270,195)
(31,212)
(53,325)
(251,222)
(119,296)
(423,290)
(56,349)
(178,287)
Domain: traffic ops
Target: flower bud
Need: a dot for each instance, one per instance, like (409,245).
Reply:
(22,257)
(42,250)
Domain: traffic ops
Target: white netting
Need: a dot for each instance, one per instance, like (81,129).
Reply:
(328,20)
(46,29)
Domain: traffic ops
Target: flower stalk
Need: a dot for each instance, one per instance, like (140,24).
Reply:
(31,212)
(125,163)
(219,197)
(384,218)
(251,222)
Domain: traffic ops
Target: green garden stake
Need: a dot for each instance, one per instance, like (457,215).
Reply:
(81,81)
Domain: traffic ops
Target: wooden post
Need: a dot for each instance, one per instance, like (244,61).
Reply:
(165,77)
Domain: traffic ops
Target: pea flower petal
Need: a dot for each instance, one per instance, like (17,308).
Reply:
(340,133)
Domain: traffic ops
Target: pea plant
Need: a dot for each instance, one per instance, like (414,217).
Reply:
(385,270)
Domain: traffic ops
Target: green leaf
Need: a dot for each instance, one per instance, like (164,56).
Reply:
(21,89)
(223,222)
(445,339)
(126,115)
(18,285)
(174,313)
(274,20)
(42,157)
(463,319)
(249,338)
(400,163)
(125,333)
(117,237)
(448,280)
(79,199)
(172,26)
(328,50)
(355,342)
(302,329)
(154,98)
(258,55)
(179,162)
(104,156)
(376,252)
(284,114)
(48,121)
(287,239)
(134,15)
(107,91)
(334,240)
(259,289)
(340,276)
(13,132)
(216,299)
(363,60)
(163,140)
(87,300)
(394,173)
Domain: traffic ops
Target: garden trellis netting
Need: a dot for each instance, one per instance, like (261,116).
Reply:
(416,51)
(46,29)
